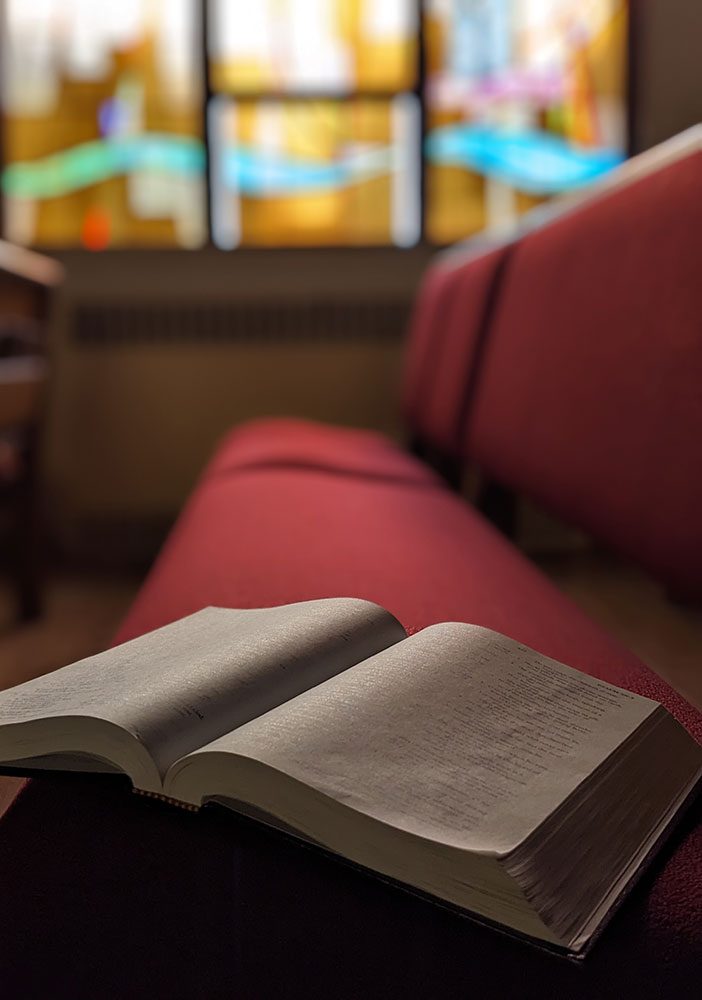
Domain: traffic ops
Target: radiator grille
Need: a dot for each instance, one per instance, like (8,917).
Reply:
(163,323)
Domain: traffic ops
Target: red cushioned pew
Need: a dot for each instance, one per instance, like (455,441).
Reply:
(588,332)
(590,397)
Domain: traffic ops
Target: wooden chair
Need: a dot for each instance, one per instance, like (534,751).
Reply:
(27,284)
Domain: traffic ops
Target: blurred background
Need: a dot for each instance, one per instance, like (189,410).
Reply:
(235,200)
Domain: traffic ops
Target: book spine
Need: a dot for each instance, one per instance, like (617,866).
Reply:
(160,797)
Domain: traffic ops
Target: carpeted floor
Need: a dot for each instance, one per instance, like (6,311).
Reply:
(666,636)
(81,615)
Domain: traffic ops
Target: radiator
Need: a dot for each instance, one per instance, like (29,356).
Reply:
(102,324)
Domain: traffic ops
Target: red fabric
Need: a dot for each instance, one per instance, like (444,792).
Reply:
(304,444)
(590,394)
(264,536)
(110,896)
(449,321)
(457,343)
(427,315)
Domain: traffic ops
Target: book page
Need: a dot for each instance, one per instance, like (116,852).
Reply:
(183,685)
(458,734)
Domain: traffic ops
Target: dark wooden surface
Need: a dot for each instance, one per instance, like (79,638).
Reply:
(27,285)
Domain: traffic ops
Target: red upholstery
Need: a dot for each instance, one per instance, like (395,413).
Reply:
(446,336)
(428,315)
(145,900)
(262,535)
(107,895)
(590,394)
(265,535)
(300,444)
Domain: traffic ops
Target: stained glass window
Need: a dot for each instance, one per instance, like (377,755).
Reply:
(102,123)
(329,151)
(525,99)
(312,122)
(315,172)
(332,46)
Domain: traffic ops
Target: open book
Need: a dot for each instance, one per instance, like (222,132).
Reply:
(456,761)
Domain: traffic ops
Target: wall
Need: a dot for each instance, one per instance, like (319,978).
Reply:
(667,75)
(131,424)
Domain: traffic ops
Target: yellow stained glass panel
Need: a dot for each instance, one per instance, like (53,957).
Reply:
(102,123)
(298,173)
(525,99)
(330,46)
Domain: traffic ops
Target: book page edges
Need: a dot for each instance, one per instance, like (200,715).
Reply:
(642,861)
